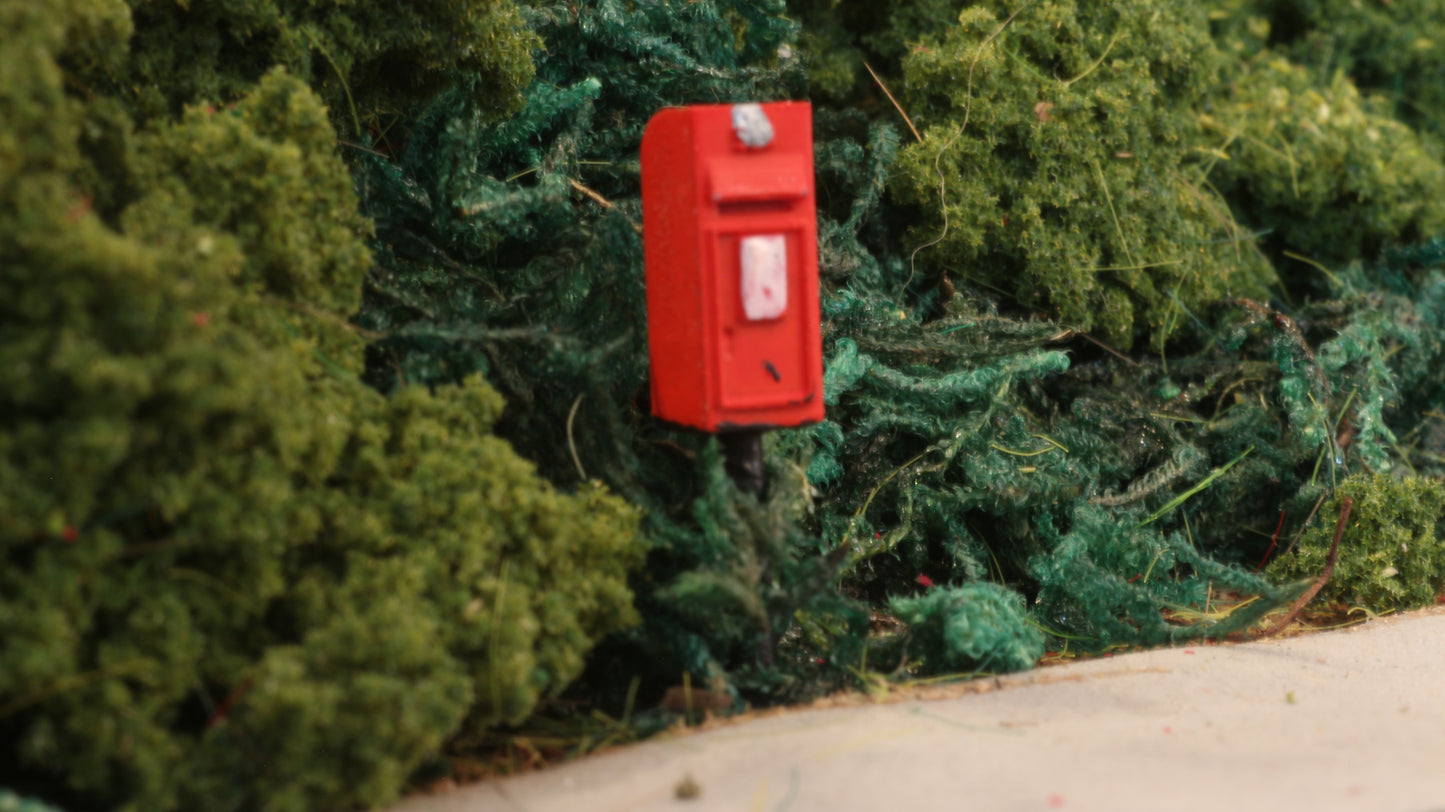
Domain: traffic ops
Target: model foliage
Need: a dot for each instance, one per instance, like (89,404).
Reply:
(234,576)
(1120,299)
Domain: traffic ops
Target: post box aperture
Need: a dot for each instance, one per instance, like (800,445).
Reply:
(730,239)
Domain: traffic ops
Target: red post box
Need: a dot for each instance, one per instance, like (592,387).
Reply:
(731,245)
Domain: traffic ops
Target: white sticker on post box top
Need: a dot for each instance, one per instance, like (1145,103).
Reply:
(751,124)
(765,276)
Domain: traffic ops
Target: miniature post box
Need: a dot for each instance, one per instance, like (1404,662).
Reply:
(730,238)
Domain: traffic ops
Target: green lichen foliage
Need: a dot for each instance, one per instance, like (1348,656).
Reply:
(1328,172)
(1391,556)
(1392,51)
(234,576)
(365,59)
(1119,166)
(1058,163)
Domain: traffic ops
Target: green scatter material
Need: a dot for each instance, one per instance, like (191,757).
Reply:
(1390,50)
(1391,556)
(1089,579)
(756,581)
(1328,171)
(844,370)
(369,61)
(1059,164)
(234,577)
(971,385)
(974,627)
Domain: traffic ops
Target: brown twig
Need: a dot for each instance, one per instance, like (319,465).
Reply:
(1106,348)
(595,195)
(224,709)
(896,105)
(345,143)
(1345,506)
(597,198)
(1305,526)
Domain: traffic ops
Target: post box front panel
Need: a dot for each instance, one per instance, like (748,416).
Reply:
(731,234)
(767,348)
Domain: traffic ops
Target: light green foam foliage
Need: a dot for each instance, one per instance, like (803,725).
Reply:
(1391,555)
(1329,172)
(235,577)
(1057,160)
(1390,50)
(1119,166)
(368,61)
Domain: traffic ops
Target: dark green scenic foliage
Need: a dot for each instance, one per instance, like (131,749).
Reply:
(978,625)
(234,576)
(325,440)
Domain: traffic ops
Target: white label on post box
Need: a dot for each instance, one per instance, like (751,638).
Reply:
(752,125)
(765,276)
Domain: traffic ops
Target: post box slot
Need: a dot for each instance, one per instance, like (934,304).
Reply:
(783,178)
(755,207)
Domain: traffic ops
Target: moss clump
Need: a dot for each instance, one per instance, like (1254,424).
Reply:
(231,575)
(975,627)
(1115,165)
(1327,171)
(1391,557)
(1058,163)
(363,58)
(1392,51)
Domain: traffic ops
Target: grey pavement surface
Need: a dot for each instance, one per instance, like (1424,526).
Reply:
(1345,720)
